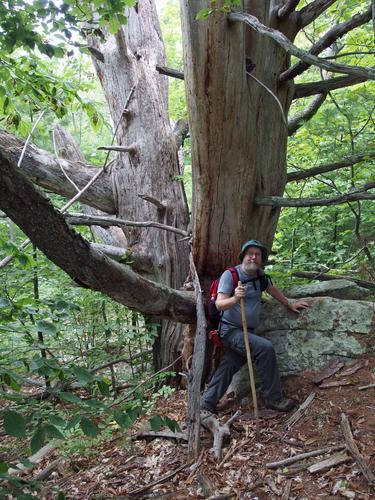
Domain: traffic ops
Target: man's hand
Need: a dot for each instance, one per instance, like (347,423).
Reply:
(296,306)
(239,292)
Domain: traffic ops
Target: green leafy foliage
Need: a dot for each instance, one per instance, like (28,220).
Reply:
(14,424)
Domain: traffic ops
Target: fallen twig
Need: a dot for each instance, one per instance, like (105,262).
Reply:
(158,481)
(219,431)
(352,448)
(34,459)
(364,387)
(286,492)
(47,471)
(336,459)
(162,434)
(302,456)
(232,452)
(300,411)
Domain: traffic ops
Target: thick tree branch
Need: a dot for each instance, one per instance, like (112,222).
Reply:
(355,195)
(44,169)
(35,215)
(92,220)
(327,40)
(312,88)
(329,167)
(312,11)
(289,47)
(174,73)
(287,8)
(295,122)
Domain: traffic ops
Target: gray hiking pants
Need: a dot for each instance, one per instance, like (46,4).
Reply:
(264,359)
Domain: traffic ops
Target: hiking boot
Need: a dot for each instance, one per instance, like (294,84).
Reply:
(282,404)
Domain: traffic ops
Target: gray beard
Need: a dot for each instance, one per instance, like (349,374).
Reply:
(250,269)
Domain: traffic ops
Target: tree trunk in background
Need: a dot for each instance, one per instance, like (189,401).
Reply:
(152,169)
(238,135)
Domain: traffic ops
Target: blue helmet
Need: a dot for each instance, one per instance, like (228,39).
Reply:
(257,244)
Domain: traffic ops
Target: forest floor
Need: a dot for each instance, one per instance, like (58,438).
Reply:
(120,468)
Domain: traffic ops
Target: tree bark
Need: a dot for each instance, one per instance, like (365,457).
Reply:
(226,158)
(130,59)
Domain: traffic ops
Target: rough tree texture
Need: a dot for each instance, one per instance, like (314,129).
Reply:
(238,135)
(130,60)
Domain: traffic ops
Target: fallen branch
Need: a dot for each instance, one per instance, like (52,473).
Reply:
(179,436)
(352,448)
(34,460)
(364,387)
(337,459)
(300,411)
(232,452)
(302,456)
(219,431)
(158,481)
(47,471)
(286,492)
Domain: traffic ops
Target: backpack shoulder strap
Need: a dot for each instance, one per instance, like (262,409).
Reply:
(235,276)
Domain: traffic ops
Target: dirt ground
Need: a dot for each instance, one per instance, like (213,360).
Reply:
(119,471)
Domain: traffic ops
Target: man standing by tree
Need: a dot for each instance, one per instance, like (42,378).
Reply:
(253,281)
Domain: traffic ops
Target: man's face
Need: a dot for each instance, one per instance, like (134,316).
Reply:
(252,259)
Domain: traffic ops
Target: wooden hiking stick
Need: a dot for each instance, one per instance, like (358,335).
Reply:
(249,361)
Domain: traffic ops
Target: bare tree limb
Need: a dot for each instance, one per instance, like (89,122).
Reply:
(312,88)
(35,215)
(327,40)
(311,275)
(174,73)
(122,360)
(287,8)
(289,47)
(44,169)
(353,449)
(91,220)
(329,167)
(355,195)
(312,11)
(121,149)
(295,122)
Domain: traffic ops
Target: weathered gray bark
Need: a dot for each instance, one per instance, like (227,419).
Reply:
(130,60)
(237,132)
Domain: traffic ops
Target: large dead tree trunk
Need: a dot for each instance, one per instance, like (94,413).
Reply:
(146,183)
(238,132)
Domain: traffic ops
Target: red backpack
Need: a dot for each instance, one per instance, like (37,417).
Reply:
(213,314)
